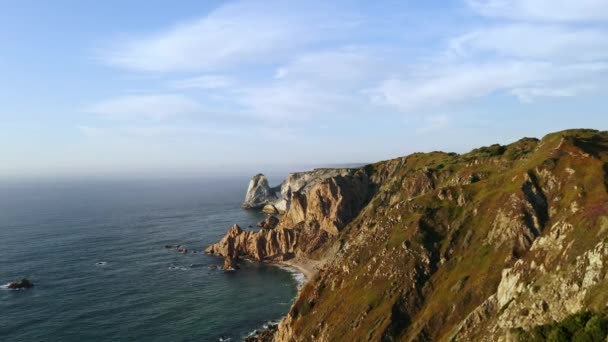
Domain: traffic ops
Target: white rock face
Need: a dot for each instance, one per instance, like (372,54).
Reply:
(261,195)
(258,193)
(303,181)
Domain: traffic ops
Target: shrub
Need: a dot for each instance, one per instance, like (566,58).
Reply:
(580,327)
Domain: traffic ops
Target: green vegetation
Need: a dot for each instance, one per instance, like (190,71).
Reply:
(581,327)
(418,260)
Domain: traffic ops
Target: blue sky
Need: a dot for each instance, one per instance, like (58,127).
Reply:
(225,87)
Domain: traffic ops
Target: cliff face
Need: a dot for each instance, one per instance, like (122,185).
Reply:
(315,217)
(277,199)
(438,247)
(259,193)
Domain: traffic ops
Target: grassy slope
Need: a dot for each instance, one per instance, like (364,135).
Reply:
(417,265)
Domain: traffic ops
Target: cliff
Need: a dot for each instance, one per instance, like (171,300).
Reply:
(314,217)
(502,243)
(277,199)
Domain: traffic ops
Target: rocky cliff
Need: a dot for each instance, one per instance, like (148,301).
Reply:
(277,199)
(484,246)
(314,217)
(259,193)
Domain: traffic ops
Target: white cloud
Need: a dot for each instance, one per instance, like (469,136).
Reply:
(343,66)
(447,85)
(199,132)
(530,94)
(440,85)
(238,33)
(544,10)
(535,41)
(313,79)
(203,82)
(149,107)
(294,101)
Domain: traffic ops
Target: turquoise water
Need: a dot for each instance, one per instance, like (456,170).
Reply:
(95,251)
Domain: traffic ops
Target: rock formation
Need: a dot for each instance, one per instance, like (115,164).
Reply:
(315,217)
(277,200)
(269,222)
(259,193)
(20,284)
(437,246)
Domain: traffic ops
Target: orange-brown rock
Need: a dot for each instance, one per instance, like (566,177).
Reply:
(312,219)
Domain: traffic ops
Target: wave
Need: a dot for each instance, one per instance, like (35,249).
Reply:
(265,326)
(6,287)
(296,274)
(181,268)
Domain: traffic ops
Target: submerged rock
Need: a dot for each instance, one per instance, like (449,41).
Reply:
(20,284)
(264,335)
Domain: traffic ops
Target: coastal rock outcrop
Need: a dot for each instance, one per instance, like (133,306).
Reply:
(315,218)
(259,193)
(20,284)
(276,200)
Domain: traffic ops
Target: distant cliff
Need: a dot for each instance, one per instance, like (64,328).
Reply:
(504,243)
(277,199)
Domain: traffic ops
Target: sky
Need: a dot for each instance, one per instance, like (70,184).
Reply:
(222,87)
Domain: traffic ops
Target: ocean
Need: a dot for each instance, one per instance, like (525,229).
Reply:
(95,252)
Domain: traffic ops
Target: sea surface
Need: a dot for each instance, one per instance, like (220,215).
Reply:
(95,252)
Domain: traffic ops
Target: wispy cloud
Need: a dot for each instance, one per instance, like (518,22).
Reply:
(163,132)
(347,66)
(146,107)
(557,43)
(530,94)
(293,102)
(545,10)
(445,85)
(203,82)
(281,63)
(238,33)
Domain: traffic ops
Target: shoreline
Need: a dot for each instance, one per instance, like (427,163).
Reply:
(298,266)
(303,267)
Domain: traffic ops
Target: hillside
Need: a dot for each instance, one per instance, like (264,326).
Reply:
(489,245)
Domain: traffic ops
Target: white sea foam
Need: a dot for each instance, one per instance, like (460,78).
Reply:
(298,276)
(265,326)
(6,287)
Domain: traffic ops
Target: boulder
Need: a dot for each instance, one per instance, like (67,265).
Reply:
(270,209)
(21,284)
(230,264)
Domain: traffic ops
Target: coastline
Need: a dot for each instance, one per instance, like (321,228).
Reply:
(302,271)
(305,266)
